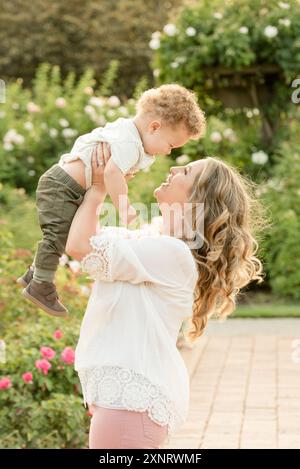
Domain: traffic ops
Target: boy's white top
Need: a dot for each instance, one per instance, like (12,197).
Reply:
(126,147)
(126,356)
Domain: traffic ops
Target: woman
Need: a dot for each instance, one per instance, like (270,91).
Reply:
(132,375)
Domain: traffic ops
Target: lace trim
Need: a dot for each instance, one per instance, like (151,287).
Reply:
(129,389)
(98,263)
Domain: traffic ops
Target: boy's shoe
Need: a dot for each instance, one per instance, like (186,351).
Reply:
(26,278)
(44,295)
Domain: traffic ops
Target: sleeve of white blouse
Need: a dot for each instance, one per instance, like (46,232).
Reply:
(98,263)
(161,260)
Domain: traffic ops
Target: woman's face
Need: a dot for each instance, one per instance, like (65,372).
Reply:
(177,187)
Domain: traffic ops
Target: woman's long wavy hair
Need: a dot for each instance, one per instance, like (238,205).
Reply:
(226,260)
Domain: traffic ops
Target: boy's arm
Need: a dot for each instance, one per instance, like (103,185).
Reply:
(116,186)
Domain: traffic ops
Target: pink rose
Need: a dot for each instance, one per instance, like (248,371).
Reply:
(43,365)
(58,334)
(47,352)
(5,383)
(68,355)
(27,377)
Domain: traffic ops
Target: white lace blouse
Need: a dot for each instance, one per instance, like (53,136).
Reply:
(126,356)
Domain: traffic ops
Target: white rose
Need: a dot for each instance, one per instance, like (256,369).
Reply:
(156,73)
(156,35)
(285,22)
(63,122)
(9,136)
(182,159)
(31,172)
(270,31)
(60,102)
(191,31)
(53,132)
(8,146)
(28,125)
(123,110)
(12,136)
(174,64)
(283,5)
(69,133)
(95,101)
(228,133)
(154,44)
(89,110)
(243,30)
(19,139)
(218,15)
(32,107)
(101,121)
(113,101)
(215,137)
(259,157)
(170,29)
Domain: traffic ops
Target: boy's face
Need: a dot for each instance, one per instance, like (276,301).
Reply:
(161,138)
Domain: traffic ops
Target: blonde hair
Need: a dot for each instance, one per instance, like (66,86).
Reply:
(174,104)
(226,261)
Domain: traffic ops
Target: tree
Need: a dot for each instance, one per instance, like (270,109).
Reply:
(76,35)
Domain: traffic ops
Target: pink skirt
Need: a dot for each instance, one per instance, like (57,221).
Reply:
(122,429)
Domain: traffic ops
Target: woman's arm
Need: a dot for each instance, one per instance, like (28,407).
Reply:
(86,219)
(85,223)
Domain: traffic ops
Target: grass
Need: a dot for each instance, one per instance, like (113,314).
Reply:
(268,311)
(261,304)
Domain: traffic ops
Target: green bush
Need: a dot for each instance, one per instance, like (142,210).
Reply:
(282,195)
(233,34)
(47,413)
(236,139)
(79,35)
(40,124)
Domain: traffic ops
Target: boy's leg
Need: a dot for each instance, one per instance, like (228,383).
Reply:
(58,197)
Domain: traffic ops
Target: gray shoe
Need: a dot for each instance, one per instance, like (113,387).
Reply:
(44,295)
(26,278)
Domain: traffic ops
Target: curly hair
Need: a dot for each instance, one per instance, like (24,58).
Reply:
(226,260)
(174,104)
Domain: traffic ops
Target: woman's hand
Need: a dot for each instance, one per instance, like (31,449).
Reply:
(100,157)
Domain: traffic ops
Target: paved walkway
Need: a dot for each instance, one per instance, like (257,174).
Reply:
(245,386)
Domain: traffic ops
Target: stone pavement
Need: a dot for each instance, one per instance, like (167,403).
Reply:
(245,386)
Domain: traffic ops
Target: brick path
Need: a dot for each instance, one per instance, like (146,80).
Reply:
(245,386)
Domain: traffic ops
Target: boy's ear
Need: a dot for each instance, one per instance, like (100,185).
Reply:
(154,125)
